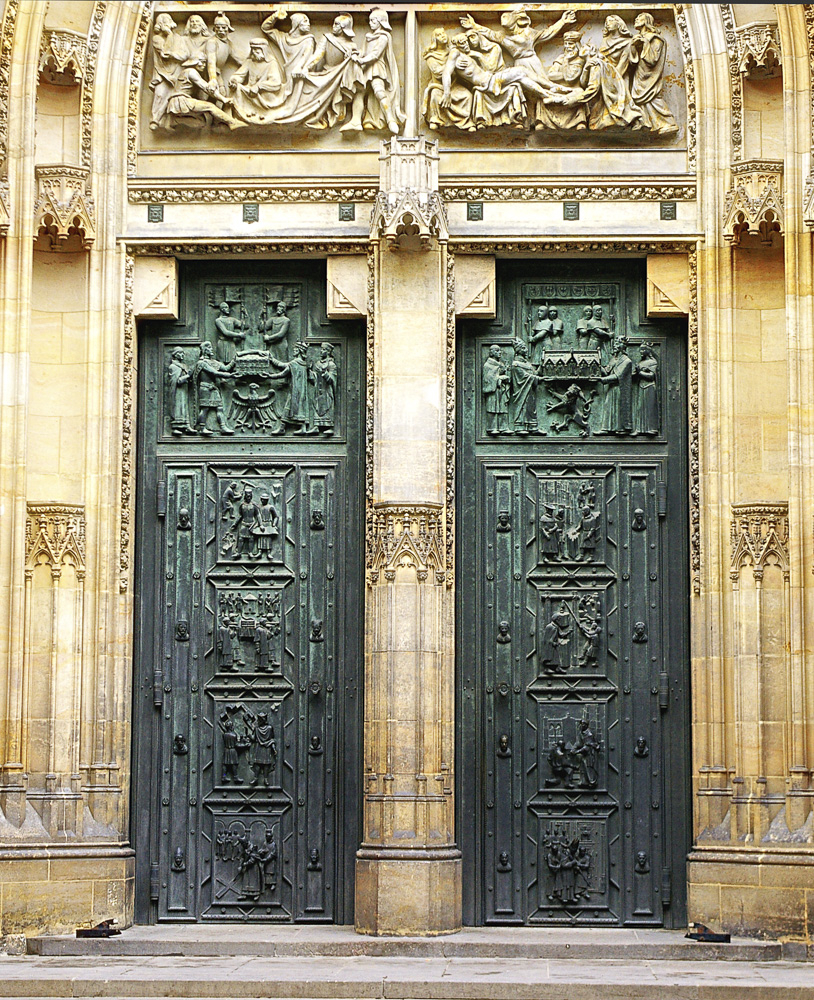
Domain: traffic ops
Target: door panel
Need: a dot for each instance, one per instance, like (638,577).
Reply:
(573,565)
(249,584)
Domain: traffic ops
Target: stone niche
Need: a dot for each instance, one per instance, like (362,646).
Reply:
(251,79)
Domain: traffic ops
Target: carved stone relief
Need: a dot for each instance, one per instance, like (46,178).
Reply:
(63,57)
(207,74)
(406,536)
(601,78)
(757,532)
(758,50)
(574,859)
(573,374)
(63,212)
(754,202)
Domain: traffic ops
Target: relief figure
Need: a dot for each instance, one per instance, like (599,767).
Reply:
(178,379)
(208,372)
(168,55)
(231,332)
(525,381)
(557,641)
(299,411)
(617,409)
(648,53)
(275,329)
(646,399)
(219,51)
(325,371)
(495,384)
(381,99)
(256,87)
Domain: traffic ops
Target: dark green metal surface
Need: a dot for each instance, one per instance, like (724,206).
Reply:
(573,603)
(249,602)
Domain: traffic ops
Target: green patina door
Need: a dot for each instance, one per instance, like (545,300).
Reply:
(249,601)
(573,602)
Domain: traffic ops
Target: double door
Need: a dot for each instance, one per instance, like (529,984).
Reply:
(573,604)
(249,590)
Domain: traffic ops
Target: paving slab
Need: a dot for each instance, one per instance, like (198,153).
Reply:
(401,978)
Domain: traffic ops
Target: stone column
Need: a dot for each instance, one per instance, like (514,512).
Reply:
(408,871)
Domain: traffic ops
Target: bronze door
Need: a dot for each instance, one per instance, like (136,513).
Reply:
(573,584)
(249,602)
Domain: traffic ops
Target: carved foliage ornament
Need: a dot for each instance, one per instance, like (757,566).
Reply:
(63,211)
(754,203)
(406,536)
(599,80)
(290,76)
(758,50)
(57,532)
(759,531)
(63,57)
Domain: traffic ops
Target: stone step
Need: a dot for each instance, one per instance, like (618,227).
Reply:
(401,978)
(267,941)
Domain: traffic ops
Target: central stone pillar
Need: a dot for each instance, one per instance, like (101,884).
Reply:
(408,870)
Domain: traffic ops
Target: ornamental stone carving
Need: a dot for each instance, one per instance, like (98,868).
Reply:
(759,531)
(406,536)
(55,534)
(482,77)
(758,50)
(754,203)
(409,212)
(63,56)
(63,211)
(284,76)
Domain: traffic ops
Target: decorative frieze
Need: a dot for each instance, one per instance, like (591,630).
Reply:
(754,203)
(409,212)
(63,211)
(406,536)
(759,531)
(55,535)
(63,58)
(758,50)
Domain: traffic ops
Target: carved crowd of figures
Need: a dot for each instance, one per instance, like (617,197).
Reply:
(254,862)
(482,77)
(569,865)
(288,76)
(247,617)
(586,382)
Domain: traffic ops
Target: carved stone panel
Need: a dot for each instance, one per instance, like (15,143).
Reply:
(249,646)
(574,586)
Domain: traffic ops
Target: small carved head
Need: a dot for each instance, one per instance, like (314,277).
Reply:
(597,311)
(282,308)
(196,26)
(300,24)
(164,24)
(316,628)
(222,25)
(504,519)
(178,354)
(206,349)
(248,492)
(317,519)
(379,19)
(639,523)
(520,347)
(343,25)
(639,632)
(646,351)
(262,717)
(257,49)
(327,350)
(571,40)
(264,499)
(503,744)
(301,348)
(439,40)
(641,861)
(587,312)
(552,312)
(225,308)
(504,859)
(494,352)
(184,519)
(564,608)
(615,24)
(642,749)
(461,42)
(542,312)
(228,724)
(515,20)
(503,629)
(316,742)
(313,856)
(645,22)
(179,745)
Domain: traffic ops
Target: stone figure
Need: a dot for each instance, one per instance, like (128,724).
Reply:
(186,107)
(380,103)
(208,372)
(265,529)
(519,40)
(178,379)
(257,86)
(495,382)
(591,635)
(231,332)
(617,410)
(645,398)
(196,36)
(168,55)
(504,635)
(648,54)
(246,521)
(337,59)
(617,107)
(264,746)
(219,51)
(456,108)
(325,372)
(299,411)
(577,70)
(557,641)
(275,332)
(296,46)
(483,97)
(525,381)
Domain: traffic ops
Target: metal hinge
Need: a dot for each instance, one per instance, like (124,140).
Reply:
(161,498)
(661,498)
(666,887)
(158,687)
(155,881)
(664,690)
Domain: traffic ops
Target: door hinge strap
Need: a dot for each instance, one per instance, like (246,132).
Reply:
(664,690)
(161,498)
(158,688)
(661,498)
(155,881)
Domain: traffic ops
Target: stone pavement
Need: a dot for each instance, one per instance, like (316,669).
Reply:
(332,962)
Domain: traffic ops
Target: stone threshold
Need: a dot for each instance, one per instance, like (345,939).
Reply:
(269,940)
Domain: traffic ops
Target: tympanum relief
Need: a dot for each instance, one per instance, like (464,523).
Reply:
(572,74)
(273,69)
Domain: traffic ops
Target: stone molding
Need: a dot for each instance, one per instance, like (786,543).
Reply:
(409,212)
(406,536)
(10,12)
(63,57)
(689,82)
(56,531)
(204,247)
(754,202)
(63,212)
(758,50)
(735,80)
(144,193)
(759,530)
(606,190)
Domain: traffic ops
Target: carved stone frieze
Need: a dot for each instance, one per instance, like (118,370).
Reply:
(754,202)
(55,534)
(303,247)
(312,192)
(758,50)
(10,12)
(541,191)
(406,536)
(63,212)
(63,57)
(409,212)
(758,532)
(735,81)
(606,77)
